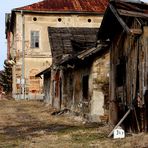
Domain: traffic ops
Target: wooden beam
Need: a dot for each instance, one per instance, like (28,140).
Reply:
(123,24)
(119,122)
(136,31)
(132,13)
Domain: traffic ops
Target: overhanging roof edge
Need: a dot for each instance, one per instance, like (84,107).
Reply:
(43,72)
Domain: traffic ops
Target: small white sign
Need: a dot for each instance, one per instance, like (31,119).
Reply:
(119,133)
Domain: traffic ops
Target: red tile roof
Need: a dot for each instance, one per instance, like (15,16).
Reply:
(97,6)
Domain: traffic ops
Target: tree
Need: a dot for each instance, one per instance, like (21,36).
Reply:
(6,77)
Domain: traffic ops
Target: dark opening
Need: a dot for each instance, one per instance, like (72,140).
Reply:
(85,87)
(60,92)
(35,19)
(36,44)
(59,19)
(120,73)
(89,20)
(70,92)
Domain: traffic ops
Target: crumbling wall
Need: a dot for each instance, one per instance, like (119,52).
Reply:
(99,87)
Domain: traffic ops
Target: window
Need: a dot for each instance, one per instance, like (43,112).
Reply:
(34,39)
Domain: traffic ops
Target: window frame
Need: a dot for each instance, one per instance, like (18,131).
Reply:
(35,39)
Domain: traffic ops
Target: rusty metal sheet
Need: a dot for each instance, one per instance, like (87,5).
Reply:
(98,6)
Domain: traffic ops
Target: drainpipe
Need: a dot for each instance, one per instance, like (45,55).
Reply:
(23,56)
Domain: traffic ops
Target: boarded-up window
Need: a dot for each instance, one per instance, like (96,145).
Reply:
(34,39)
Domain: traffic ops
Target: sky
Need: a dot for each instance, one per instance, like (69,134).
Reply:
(6,7)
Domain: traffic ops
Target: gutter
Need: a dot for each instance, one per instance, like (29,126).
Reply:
(58,12)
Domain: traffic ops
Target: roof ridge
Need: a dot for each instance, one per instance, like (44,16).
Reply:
(98,6)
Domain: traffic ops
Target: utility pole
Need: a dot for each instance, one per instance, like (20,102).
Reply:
(23,57)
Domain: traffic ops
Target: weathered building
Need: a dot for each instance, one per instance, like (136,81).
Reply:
(28,42)
(128,35)
(85,83)
(78,78)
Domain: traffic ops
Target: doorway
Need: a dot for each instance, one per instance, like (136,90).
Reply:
(85,93)
(85,87)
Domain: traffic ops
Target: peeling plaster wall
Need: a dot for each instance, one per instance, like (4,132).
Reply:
(40,58)
(99,77)
(96,106)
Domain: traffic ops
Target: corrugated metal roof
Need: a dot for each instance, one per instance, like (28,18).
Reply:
(98,6)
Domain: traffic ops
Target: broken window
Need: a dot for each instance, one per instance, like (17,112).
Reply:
(34,39)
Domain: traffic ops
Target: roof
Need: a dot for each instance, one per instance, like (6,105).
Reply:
(98,6)
(43,72)
(115,14)
(69,41)
(85,54)
(90,52)
(77,58)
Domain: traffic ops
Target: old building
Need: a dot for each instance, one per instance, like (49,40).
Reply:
(85,83)
(78,78)
(28,42)
(128,36)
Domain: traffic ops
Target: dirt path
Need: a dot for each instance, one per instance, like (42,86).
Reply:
(29,124)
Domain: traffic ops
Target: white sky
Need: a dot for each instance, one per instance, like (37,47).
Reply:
(6,7)
(146,1)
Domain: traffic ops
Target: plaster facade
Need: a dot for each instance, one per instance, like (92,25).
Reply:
(37,59)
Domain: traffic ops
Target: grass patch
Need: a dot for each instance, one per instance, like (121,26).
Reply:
(87,137)
(7,142)
(69,130)
(73,129)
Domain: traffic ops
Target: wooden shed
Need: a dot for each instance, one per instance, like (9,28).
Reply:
(66,43)
(125,25)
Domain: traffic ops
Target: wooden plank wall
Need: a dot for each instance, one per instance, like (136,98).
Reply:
(134,50)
